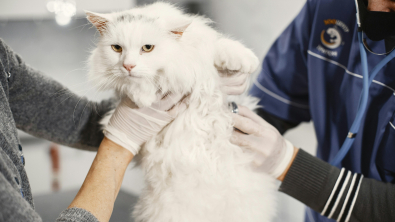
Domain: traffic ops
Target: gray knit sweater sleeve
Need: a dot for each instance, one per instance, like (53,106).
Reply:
(338,194)
(44,108)
(76,215)
(29,101)
(14,208)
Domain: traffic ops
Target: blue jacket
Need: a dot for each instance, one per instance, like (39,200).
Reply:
(313,72)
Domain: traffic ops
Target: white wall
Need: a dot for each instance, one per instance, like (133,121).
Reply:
(255,22)
(36,9)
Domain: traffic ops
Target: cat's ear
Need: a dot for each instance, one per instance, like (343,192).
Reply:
(100,21)
(180,30)
(177,26)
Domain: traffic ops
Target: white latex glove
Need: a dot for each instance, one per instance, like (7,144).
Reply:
(233,82)
(131,126)
(273,152)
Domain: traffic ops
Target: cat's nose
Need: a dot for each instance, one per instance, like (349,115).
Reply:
(129,66)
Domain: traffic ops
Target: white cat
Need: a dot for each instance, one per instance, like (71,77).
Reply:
(192,171)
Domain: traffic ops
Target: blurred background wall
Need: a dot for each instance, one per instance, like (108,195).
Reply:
(54,37)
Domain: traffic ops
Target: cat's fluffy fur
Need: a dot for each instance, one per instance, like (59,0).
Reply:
(192,171)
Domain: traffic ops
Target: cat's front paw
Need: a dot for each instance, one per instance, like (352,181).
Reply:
(232,55)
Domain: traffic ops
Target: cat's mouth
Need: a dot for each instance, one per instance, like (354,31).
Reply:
(132,75)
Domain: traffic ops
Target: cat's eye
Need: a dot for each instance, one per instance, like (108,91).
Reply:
(147,48)
(116,48)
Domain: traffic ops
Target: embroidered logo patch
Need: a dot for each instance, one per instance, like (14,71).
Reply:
(331,37)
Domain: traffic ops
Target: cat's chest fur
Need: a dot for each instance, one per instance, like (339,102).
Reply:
(193,173)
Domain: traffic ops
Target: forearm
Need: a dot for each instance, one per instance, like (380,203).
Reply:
(376,202)
(320,186)
(104,179)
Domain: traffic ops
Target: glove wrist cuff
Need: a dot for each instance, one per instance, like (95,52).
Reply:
(122,140)
(282,166)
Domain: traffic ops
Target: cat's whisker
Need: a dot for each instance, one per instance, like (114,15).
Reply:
(74,85)
(94,104)
(75,109)
(68,92)
(82,113)
(106,84)
(83,26)
(65,99)
(78,69)
(152,81)
(65,92)
(68,97)
(95,108)
(155,84)
(91,104)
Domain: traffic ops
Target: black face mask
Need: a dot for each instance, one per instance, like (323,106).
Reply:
(377,25)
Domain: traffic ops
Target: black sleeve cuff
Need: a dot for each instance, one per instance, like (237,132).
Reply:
(310,180)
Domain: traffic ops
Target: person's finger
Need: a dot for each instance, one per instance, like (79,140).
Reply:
(235,90)
(250,142)
(179,108)
(234,79)
(171,100)
(241,89)
(244,111)
(246,125)
(128,102)
(240,139)
(167,101)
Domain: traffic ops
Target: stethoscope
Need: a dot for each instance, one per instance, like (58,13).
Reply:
(367,80)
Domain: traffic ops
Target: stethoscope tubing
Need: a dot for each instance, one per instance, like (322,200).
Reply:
(367,81)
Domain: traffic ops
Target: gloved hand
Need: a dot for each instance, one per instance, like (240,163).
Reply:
(233,82)
(131,126)
(273,152)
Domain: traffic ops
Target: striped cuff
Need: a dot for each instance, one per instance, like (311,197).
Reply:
(310,180)
(322,187)
(343,196)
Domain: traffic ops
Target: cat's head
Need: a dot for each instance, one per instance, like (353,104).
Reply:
(140,52)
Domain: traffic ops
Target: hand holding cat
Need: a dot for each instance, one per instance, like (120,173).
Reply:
(131,126)
(273,152)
